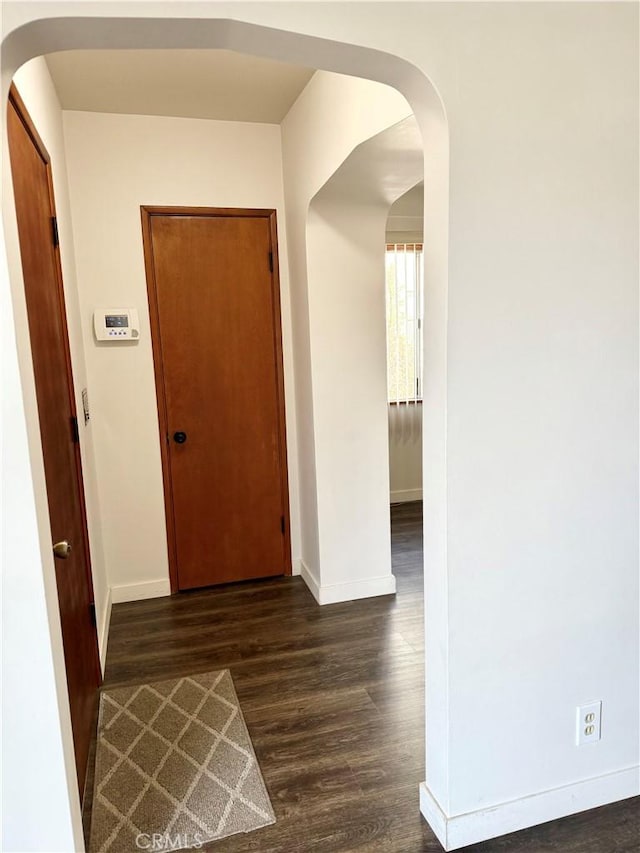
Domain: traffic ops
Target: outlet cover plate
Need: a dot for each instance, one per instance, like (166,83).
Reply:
(589,723)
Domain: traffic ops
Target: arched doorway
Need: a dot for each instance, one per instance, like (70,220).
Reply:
(30,524)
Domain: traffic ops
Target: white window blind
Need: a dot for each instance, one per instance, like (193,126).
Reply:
(404,285)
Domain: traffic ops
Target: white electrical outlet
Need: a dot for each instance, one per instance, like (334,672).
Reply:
(589,721)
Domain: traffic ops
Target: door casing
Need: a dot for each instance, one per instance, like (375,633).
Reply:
(15,101)
(147,212)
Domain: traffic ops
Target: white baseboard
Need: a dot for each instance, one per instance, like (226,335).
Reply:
(474,827)
(139,591)
(433,814)
(403,496)
(336,592)
(311,581)
(103,635)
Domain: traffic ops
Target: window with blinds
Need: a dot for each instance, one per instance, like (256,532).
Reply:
(404,285)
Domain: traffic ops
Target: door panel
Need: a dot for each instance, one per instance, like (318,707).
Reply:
(56,409)
(216,317)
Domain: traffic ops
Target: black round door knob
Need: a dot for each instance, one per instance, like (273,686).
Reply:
(179,437)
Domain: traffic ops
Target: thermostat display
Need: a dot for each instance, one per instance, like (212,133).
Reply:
(116,324)
(116,321)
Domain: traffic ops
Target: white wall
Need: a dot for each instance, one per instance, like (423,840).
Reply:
(117,163)
(345,247)
(543,402)
(531,405)
(332,116)
(346,288)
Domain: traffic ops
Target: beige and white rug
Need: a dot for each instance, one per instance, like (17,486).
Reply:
(175,767)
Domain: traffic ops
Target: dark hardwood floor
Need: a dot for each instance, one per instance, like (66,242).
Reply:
(333,699)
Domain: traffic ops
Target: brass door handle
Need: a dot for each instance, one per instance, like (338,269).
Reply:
(61,550)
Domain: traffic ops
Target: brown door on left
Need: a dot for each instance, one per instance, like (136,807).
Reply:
(37,231)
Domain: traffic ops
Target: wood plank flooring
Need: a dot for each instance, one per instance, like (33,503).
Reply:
(333,699)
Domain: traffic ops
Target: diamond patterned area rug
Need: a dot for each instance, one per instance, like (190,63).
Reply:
(175,767)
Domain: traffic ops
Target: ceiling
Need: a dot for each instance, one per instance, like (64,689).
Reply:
(211,84)
(381,169)
(411,203)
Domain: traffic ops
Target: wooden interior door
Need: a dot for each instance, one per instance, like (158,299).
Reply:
(42,274)
(215,315)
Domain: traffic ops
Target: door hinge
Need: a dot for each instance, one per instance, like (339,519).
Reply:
(75,432)
(54,231)
(92,614)
(270,261)
(282,524)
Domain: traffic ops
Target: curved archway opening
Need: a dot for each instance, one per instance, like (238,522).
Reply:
(47,36)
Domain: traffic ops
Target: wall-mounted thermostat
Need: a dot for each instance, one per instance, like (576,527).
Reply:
(116,324)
